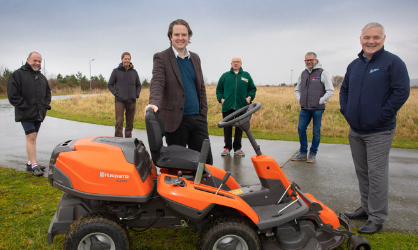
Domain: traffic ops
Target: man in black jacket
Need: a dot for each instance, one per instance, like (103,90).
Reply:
(125,85)
(28,91)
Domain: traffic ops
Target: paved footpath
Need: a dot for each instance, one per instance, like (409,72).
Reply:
(331,179)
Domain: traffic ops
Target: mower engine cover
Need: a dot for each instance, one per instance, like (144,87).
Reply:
(108,168)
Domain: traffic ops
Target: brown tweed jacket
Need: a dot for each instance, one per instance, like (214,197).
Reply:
(167,91)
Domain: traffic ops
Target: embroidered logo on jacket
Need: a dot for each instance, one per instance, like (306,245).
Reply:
(244,79)
(374,70)
(315,78)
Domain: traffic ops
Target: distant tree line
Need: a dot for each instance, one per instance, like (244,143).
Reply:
(63,82)
(77,80)
(4,76)
(336,81)
(98,82)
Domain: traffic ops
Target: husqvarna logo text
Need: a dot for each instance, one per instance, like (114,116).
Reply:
(116,176)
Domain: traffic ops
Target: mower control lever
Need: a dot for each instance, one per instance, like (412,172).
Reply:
(226,176)
(179,182)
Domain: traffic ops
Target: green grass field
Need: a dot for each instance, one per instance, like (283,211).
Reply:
(276,120)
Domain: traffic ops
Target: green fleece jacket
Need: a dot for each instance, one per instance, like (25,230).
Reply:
(235,88)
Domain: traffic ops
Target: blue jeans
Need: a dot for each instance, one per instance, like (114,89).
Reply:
(305,117)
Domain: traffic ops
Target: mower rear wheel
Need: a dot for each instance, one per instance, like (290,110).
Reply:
(232,233)
(96,232)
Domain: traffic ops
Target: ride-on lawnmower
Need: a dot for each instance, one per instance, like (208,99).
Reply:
(110,186)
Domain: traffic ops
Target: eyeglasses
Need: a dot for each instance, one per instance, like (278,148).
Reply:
(310,60)
(36,77)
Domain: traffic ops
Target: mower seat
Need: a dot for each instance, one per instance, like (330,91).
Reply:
(171,157)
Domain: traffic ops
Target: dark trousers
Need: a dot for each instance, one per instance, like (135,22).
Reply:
(193,130)
(371,160)
(120,108)
(228,134)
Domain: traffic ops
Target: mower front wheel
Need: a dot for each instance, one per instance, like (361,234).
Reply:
(96,232)
(229,233)
(358,242)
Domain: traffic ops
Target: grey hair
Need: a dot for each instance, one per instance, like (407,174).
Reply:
(373,24)
(236,57)
(32,53)
(311,54)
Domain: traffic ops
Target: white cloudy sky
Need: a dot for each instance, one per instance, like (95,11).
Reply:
(270,36)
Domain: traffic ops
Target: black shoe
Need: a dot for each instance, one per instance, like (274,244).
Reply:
(358,214)
(36,171)
(42,167)
(369,228)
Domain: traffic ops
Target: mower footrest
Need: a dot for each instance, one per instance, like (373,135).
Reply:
(269,216)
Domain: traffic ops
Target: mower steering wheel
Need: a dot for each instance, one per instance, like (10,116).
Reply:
(230,120)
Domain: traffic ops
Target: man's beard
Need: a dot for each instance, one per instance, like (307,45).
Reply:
(36,68)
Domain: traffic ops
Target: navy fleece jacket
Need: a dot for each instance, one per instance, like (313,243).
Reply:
(373,92)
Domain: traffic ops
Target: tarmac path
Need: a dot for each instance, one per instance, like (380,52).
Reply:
(331,179)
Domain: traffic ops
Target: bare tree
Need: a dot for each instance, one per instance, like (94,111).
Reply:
(337,80)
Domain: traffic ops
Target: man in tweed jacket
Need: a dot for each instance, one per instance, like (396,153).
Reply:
(178,91)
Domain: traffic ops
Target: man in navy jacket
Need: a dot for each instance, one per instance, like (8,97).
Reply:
(375,87)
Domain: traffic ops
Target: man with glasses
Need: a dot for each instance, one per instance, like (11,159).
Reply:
(313,89)
(28,91)
(235,90)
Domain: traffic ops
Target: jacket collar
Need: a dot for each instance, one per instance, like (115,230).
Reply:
(375,55)
(131,66)
(240,70)
(177,54)
(27,67)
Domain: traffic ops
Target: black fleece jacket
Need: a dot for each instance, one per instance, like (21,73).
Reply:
(28,91)
(125,84)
